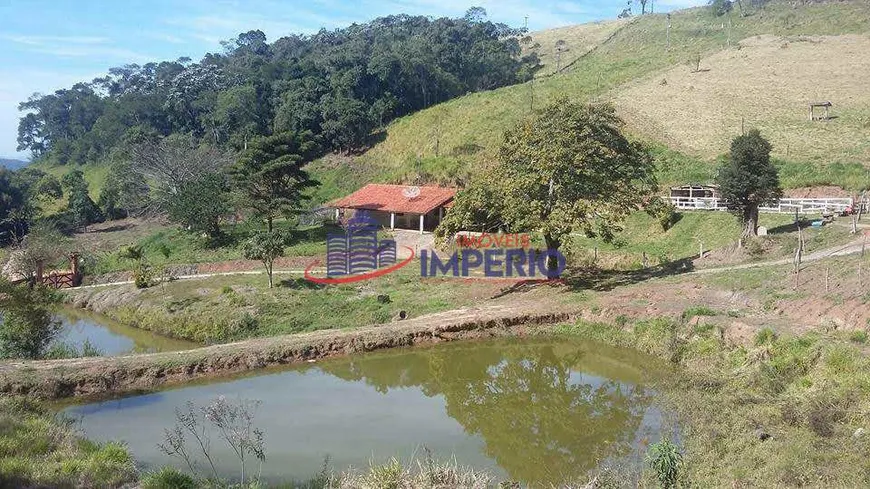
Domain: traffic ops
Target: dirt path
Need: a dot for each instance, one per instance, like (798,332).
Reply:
(851,248)
(842,250)
(55,379)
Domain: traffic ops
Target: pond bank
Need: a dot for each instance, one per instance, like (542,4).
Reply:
(57,379)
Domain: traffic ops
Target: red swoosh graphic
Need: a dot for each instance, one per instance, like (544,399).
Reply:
(356,278)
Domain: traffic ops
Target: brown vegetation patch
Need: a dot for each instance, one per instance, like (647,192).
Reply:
(766,82)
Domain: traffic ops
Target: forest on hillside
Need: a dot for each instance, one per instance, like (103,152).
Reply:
(341,85)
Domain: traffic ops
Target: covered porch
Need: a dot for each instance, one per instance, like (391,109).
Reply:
(398,206)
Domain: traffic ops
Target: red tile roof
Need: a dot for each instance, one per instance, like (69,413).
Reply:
(391,198)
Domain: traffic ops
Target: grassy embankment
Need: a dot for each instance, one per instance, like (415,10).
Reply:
(186,248)
(806,395)
(777,409)
(38,450)
(467,131)
(234,307)
(716,230)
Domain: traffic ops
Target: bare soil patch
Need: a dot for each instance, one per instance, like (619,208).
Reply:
(111,235)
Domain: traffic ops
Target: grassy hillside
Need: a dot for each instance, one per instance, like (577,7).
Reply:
(94,174)
(767,81)
(450,141)
(578,40)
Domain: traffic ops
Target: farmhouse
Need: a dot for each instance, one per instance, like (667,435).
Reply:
(399,206)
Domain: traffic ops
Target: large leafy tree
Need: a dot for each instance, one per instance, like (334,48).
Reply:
(567,169)
(199,204)
(81,208)
(748,179)
(27,324)
(269,174)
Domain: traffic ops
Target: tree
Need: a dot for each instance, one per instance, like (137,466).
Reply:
(568,169)
(198,205)
(748,179)
(43,246)
(475,14)
(125,192)
(721,7)
(265,247)
(269,174)
(14,209)
(82,210)
(27,324)
(172,163)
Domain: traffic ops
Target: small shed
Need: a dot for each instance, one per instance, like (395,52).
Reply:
(822,105)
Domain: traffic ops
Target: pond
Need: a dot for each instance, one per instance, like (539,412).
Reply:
(110,337)
(538,410)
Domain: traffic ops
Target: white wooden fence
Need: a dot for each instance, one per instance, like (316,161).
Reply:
(785,205)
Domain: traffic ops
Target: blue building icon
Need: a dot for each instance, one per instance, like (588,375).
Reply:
(357,250)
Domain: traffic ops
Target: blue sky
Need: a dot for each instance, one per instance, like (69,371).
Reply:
(47,45)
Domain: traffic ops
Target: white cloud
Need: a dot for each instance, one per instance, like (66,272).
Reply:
(44,40)
(76,47)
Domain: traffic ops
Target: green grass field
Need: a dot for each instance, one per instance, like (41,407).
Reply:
(226,308)
(187,248)
(715,230)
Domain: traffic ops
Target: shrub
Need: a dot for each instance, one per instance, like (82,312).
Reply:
(720,7)
(386,476)
(765,336)
(143,275)
(859,336)
(665,459)
(27,326)
(698,311)
(168,478)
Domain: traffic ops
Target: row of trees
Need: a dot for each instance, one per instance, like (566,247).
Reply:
(339,85)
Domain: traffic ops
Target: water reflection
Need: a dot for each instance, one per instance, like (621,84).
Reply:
(542,412)
(110,337)
(539,411)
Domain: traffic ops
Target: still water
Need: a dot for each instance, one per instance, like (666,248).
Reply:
(110,337)
(538,410)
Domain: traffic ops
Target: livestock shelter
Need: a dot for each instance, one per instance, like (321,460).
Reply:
(398,206)
(695,196)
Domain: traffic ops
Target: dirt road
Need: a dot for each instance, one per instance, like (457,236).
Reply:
(55,379)
(842,250)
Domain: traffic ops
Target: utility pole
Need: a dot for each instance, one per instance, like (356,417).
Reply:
(668,45)
(526,23)
(729,31)
(532,95)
